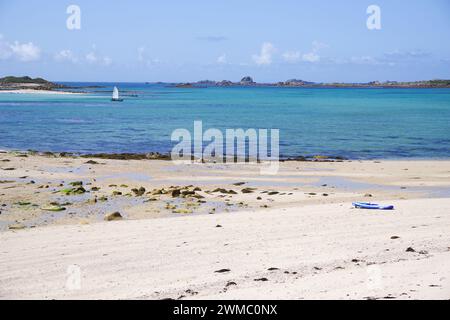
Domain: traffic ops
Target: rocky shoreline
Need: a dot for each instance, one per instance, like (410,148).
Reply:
(28,83)
(159,156)
(248,81)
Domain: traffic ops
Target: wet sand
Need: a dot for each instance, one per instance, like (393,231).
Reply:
(187,224)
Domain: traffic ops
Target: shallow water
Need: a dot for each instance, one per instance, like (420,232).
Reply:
(354,123)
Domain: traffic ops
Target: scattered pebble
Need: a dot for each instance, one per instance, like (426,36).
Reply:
(222,271)
(113,216)
(262,279)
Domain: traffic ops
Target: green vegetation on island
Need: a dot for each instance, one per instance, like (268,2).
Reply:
(26,82)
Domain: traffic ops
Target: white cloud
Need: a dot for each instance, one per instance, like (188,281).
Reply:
(316,45)
(222,59)
(93,58)
(66,56)
(265,57)
(22,51)
(26,51)
(364,60)
(311,57)
(145,59)
(292,56)
(314,56)
(107,61)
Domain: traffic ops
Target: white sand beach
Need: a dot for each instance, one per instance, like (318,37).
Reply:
(33,91)
(295,236)
(320,251)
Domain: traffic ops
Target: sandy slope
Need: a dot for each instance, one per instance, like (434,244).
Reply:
(313,247)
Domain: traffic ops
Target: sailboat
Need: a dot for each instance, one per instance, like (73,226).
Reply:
(115,96)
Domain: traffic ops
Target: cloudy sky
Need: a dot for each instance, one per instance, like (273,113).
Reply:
(225,39)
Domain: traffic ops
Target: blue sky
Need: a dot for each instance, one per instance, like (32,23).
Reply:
(195,40)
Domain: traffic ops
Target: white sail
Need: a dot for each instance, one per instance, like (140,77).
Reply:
(115,95)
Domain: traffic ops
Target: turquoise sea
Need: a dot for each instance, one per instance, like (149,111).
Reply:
(353,123)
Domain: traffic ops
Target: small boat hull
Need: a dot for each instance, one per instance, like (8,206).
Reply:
(371,206)
(117,100)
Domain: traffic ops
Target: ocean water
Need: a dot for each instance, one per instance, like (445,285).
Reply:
(353,123)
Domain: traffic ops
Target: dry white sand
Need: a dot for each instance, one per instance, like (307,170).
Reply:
(320,247)
(321,251)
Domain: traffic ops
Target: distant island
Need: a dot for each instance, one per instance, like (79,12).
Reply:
(18,83)
(248,81)
(27,84)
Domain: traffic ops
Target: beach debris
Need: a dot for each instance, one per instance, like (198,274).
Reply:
(248,190)
(230,283)
(222,271)
(272,193)
(219,226)
(73,191)
(91,162)
(187,193)
(273,269)
(198,196)
(95,189)
(76,183)
(113,216)
(238,184)
(138,192)
(325,194)
(23,203)
(220,190)
(159,191)
(103,198)
(53,208)
(129,156)
(395,237)
(182,211)
(317,268)
(170,206)
(261,279)
(6,181)
(410,249)
(16,226)
(258,198)
(8,169)
(116,193)
(368,195)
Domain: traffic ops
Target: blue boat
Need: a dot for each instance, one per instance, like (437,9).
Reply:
(373,206)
